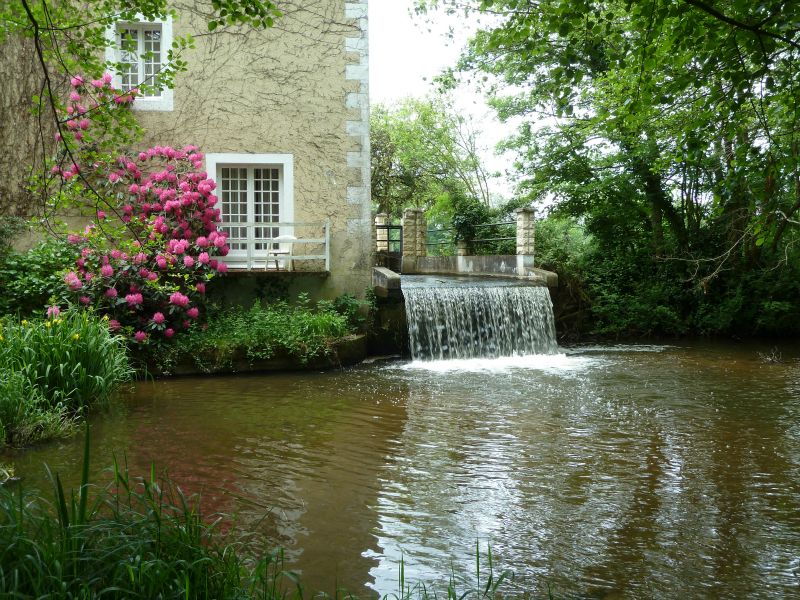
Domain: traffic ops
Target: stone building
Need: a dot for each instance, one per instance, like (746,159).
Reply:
(282,116)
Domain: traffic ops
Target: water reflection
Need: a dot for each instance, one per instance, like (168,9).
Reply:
(643,472)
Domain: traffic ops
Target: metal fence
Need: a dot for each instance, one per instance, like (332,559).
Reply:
(490,238)
(393,242)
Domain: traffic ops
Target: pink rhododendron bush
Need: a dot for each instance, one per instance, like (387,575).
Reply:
(153,244)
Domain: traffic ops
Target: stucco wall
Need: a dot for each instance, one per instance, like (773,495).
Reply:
(299,88)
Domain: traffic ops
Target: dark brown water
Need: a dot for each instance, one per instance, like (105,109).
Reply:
(637,472)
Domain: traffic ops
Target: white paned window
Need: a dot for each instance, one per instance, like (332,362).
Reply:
(140,50)
(250,195)
(255,198)
(140,46)
(266,202)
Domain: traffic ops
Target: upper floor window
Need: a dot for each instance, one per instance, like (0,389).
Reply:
(140,55)
(140,51)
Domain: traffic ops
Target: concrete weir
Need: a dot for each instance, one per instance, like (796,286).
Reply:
(477,317)
(439,316)
(462,306)
(513,266)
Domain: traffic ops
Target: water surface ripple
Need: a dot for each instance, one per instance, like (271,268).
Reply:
(637,472)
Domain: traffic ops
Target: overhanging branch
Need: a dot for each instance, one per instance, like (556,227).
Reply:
(757,29)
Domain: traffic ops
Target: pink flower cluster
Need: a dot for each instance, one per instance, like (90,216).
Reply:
(151,279)
(76,124)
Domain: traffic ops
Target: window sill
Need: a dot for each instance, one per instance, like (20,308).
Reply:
(162,104)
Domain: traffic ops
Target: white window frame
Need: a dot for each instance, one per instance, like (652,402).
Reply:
(163,102)
(284,162)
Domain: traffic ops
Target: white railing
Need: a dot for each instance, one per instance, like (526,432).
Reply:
(278,252)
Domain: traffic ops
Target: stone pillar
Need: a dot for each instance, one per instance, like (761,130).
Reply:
(415,233)
(381,235)
(422,234)
(525,231)
(462,248)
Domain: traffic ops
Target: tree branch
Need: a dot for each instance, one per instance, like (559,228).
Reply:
(740,25)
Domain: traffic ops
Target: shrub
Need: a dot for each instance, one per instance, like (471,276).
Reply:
(29,280)
(70,359)
(299,331)
(151,250)
(351,308)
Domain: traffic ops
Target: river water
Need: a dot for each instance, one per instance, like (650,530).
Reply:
(601,472)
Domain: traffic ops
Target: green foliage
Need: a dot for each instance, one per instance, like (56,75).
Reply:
(562,245)
(483,229)
(25,416)
(760,302)
(675,143)
(420,150)
(71,360)
(10,228)
(300,332)
(351,308)
(256,13)
(29,280)
(630,298)
(623,291)
(467,215)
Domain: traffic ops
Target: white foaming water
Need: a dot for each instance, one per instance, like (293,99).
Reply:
(468,322)
(556,363)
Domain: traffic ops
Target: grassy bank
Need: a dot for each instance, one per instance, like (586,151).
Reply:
(52,370)
(301,332)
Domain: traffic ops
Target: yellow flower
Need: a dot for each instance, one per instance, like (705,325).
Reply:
(48,324)
(24,322)
(105,317)
(58,321)
(76,337)
(2,338)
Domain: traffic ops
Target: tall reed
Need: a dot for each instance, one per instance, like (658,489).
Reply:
(136,538)
(71,359)
(25,415)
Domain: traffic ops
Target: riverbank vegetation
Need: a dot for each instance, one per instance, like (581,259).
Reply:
(52,370)
(137,538)
(608,290)
(300,332)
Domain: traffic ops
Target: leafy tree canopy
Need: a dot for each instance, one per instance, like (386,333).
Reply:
(671,121)
(667,131)
(421,151)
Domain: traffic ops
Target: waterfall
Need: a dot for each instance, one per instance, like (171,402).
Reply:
(479,321)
